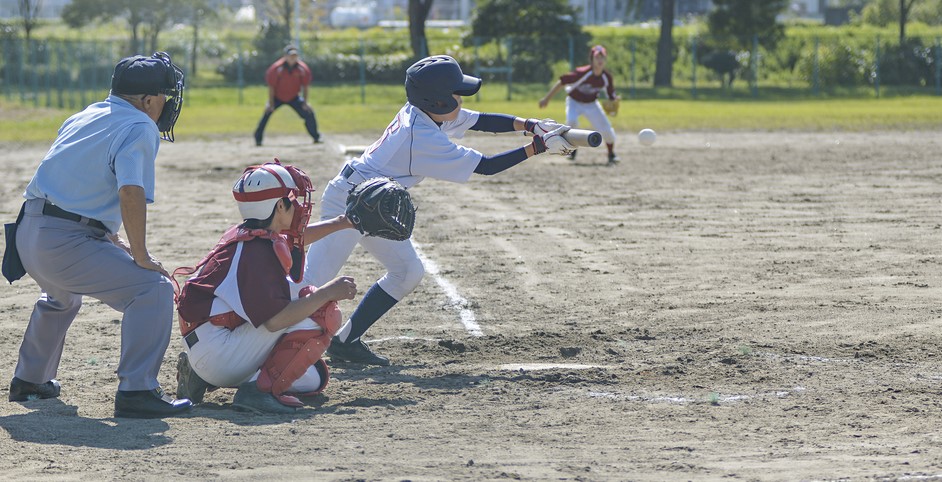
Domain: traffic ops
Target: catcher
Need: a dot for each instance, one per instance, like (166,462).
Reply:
(414,146)
(583,86)
(243,324)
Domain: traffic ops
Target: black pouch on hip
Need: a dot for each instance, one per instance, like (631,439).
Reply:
(12,266)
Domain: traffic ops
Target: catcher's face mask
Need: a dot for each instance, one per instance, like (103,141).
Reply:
(262,186)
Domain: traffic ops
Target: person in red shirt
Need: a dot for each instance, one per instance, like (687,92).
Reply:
(583,86)
(288,80)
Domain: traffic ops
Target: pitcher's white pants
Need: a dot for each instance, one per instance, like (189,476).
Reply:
(594,113)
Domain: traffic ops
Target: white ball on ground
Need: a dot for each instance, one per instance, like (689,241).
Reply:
(647,137)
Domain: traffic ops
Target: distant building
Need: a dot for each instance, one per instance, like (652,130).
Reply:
(49,9)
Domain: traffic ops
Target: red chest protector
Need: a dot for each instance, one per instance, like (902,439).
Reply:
(235,234)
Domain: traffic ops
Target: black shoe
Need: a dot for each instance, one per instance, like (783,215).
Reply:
(572,156)
(613,159)
(317,140)
(148,404)
(355,352)
(189,384)
(249,398)
(21,391)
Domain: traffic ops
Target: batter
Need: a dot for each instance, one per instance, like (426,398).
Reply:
(415,145)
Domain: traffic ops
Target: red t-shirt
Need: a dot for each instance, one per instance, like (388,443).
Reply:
(588,90)
(287,80)
(256,290)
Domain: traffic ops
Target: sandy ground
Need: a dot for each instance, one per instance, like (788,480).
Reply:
(737,306)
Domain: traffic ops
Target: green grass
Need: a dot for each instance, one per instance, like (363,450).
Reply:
(341,109)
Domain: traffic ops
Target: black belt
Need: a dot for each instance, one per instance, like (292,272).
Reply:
(50,209)
(347,171)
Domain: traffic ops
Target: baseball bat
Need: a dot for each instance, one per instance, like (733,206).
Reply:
(580,137)
(583,138)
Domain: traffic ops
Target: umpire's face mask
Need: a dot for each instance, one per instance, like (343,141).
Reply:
(171,111)
(169,115)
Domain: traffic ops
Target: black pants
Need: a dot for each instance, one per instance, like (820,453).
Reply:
(310,121)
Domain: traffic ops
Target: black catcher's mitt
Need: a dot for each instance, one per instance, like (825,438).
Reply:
(381,207)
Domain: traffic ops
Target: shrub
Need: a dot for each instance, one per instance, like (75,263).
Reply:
(838,65)
(907,64)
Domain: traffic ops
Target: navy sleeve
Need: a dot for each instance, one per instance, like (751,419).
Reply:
(492,165)
(494,123)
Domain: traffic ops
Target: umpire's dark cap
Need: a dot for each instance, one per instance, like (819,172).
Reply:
(431,82)
(142,75)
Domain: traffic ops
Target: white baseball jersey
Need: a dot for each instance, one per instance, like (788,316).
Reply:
(414,147)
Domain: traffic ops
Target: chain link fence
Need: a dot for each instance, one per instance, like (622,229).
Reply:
(71,74)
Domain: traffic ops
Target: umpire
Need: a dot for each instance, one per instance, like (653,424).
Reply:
(98,175)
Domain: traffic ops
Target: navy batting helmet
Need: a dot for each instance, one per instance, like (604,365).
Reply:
(431,82)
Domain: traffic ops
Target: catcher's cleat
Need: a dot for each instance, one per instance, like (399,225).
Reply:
(149,404)
(249,398)
(355,352)
(572,155)
(21,391)
(189,384)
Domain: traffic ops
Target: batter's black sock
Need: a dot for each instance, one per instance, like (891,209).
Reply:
(372,307)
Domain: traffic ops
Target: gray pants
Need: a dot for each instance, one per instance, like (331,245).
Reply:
(69,260)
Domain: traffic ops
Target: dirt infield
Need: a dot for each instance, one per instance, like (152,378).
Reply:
(744,306)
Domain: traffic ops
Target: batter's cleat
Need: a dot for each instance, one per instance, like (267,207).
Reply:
(149,404)
(189,384)
(21,391)
(249,398)
(355,352)
(613,159)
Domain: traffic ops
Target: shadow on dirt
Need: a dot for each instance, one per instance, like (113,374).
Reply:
(53,422)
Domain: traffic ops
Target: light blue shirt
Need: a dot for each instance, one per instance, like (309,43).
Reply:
(108,145)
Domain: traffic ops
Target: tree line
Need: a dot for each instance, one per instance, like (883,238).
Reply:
(733,25)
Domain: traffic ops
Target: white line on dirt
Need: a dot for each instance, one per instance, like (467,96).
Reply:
(680,399)
(454,299)
(549,366)
(407,338)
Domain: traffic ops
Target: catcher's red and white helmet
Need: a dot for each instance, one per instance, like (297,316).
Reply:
(261,186)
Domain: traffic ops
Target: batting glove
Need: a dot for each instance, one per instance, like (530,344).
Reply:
(553,142)
(539,127)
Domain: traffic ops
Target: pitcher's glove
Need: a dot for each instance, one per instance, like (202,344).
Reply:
(381,207)
(610,106)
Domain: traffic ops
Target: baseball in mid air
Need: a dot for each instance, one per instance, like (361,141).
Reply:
(647,137)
